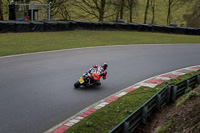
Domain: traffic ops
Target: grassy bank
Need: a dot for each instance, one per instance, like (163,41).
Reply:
(182,116)
(19,43)
(108,117)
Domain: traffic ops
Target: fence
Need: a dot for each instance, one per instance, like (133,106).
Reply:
(166,95)
(29,11)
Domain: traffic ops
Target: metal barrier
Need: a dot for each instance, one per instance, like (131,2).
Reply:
(29,11)
(167,94)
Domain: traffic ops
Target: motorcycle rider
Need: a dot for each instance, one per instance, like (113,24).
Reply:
(95,75)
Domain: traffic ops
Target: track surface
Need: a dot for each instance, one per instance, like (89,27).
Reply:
(36,90)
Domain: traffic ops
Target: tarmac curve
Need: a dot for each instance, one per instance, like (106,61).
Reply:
(36,90)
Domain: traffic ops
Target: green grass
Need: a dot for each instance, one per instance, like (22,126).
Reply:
(20,43)
(105,119)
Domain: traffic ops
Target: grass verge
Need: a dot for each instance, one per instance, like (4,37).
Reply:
(105,119)
(20,43)
(108,117)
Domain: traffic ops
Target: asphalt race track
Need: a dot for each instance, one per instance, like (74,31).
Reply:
(37,93)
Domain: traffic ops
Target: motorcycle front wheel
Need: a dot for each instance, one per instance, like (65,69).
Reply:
(77,84)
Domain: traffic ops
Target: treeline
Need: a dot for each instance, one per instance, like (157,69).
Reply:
(162,12)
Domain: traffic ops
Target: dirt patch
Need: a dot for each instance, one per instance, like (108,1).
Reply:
(184,118)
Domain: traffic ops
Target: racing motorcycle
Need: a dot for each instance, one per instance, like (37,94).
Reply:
(89,78)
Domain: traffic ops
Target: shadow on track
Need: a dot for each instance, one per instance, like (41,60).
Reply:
(89,88)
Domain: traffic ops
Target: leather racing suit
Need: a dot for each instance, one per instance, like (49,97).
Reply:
(97,73)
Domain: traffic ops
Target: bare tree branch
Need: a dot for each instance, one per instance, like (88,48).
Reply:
(96,8)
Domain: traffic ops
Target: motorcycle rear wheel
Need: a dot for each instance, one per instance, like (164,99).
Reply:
(77,84)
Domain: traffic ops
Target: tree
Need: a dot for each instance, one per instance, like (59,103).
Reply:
(64,11)
(1,10)
(193,18)
(173,4)
(55,5)
(121,5)
(59,8)
(152,4)
(118,8)
(130,5)
(122,2)
(146,12)
(95,8)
